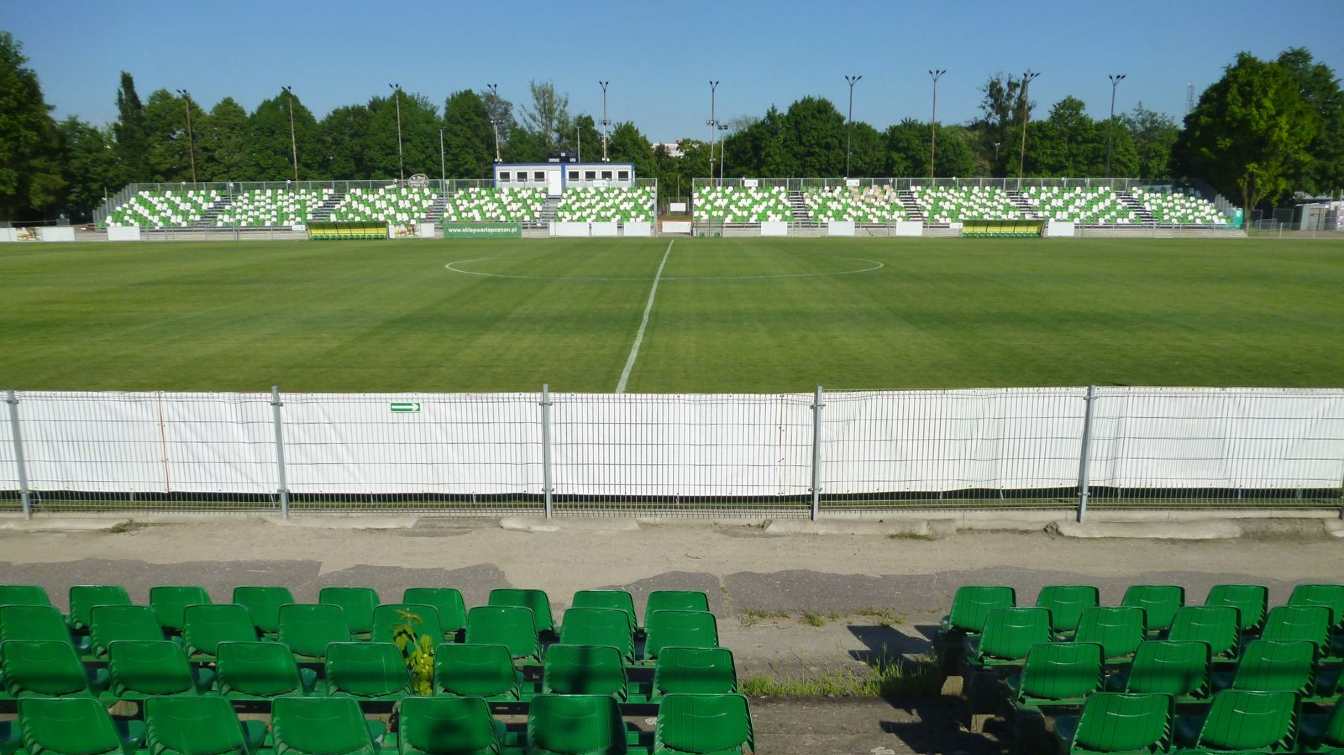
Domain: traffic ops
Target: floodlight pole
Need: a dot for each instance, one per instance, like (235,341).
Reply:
(606,124)
(849,121)
(494,92)
(443,165)
(191,139)
(1027,78)
(712,123)
(723,155)
(293,141)
(1115,78)
(935,74)
(401,159)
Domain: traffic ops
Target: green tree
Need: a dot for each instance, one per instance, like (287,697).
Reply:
(468,136)
(271,150)
(1002,108)
(956,152)
(169,156)
(1321,89)
(581,132)
(500,113)
(1153,135)
(548,115)
(30,175)
(224,144)
(341,143)
(132,137)
(628,145)
(814,132)
(419,136)
(868,154)
(907,148)
(89,167)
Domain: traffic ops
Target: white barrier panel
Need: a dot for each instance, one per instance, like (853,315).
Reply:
(637,228)
(1059,228)
(908,228)
(56,233)
(774,228)
(425,230)
(676,207)
(604,229)
(676,226)
(122,233)
(559,228)
(9,234)
(839,227)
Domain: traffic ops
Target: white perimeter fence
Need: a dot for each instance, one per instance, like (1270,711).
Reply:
(673,455)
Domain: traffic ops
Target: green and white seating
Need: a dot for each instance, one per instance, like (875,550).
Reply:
(387,204)
(1089,206)
(490,205)
(1180,209)
(606,204)
(871,204)
(955,205)
(269,208)
(741,204)
(163,209)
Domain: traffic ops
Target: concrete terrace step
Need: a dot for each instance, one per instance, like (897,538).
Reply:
(1135,205)
(800,212)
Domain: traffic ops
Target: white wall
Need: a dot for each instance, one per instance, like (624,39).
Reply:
(637,228)
(774,228)
(562,228)
(56,233)
(839,227)
(9,234)
(607,228)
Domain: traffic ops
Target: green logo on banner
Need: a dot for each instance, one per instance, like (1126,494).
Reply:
(405,406)
(482,231)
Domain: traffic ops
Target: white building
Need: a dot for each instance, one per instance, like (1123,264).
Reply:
(555,175)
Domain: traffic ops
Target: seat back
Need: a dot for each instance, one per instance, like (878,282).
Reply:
(421,617)
(263,604)
(1333,735)
(1118,629)
(575,724)
(42,668)
(584,670)
(1159,603)
(169,601)
(1330,596)
(694,671)
(320,725)
(1248,720)
(1009,633)
(446,725)
(84,597)
(537,600)
(1066,604)
(357,603)
(307,628)
(475,671)
(704,724)
(674,600)
(692,629)
(143,669)
(73,725)
(207,625)
(1170,667)
(599,626)
(446,600)
(1251,602)
(510,626)
(1061,670)
(24,595)
(1215,626)
(205,724)
(113,622)
(256,669)
(1302,622)
(618,600)
(32,622)
(1124,722)
(366,670)
(1270,666)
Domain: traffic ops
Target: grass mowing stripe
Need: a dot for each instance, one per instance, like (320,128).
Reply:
(644,323)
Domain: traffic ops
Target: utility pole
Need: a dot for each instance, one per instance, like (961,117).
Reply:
(494,93)
(1027,78)
(191,139)
(293,141)
(723,157)
(935,74)
(443,166)
(849,120)
(1115,78)
(713,125)
(606,124)
(401,159)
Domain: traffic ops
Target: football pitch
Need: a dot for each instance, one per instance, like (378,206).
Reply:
(725,315)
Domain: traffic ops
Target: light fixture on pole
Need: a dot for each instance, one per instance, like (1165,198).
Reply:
(191,139)
(849,121)
(494,120)
(935,74)
(606,124)
(1115,78)
(401,159)
(1027,78)
(713,124)
(293,141)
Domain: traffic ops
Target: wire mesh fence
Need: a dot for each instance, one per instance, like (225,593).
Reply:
(828,453)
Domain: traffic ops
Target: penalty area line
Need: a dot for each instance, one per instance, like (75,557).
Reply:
(644,323)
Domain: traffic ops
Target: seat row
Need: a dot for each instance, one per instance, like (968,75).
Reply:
(575,724)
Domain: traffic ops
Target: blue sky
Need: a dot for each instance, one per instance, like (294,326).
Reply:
(658,56)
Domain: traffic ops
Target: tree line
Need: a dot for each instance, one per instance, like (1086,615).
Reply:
(1265,129)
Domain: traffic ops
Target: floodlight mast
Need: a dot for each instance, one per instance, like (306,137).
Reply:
(401,159)
(191,139)
(935,74)
(606,124)
(1027,78)
(713,125)
(494,92)
(850,79)
(293,141)
(1115,78)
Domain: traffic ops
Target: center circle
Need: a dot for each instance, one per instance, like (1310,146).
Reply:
(865,265)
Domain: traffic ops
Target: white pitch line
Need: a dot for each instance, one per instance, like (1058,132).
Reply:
(639,336)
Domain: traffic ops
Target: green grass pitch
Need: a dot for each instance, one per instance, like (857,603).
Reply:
(730,315)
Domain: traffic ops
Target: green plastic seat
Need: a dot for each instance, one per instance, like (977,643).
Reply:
(537,600)
(674,600)
(84,597)
(1008,634)
(307,628)
(584,670)
(1056,675)
(42,669)
(1215,626)
(691,629)
(1251,602)
(32,622)
(471,670)
(263,604)
(1118,629)
(1167,667)
(207,625)
(972,604)
(140,670)
(198,726)
(169,601)
(510,626)
(618,600)
(24,595)
(694,671)
(599,626)
(1066,604)
(1330,596)
(1159,603)
(704,725)
(442,725)
(423,618)
(1272,666)
(367,671)
(67,726)
(1247,721)
(1323,734)
(357,603)
(1302,622)
(256,671)
(111,623)
(447,600)
(1118,722)
(575,725)
(320,726)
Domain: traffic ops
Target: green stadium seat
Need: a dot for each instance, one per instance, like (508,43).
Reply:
(694,671)
(32,623)
(1323,734)
(941,204)
(1118,722)
(141,670)
(605,204)
(575,725)
(866,205)
(84,597)
(263,604)
(1167,667)
(1118,629)
(23,595)
(741,204)
(1159,604)
(492,205)
(584,670)
(1293,623)
(476,671)
(199,726)
(42,669)
(675,600)
(322,726)
(447,600)
(370,671)
(205,626)
(1273,666)
(257,671)
(1251,602)
(1066,604)
(68,726)
(1176,208)
(1248,721)
(423,618)
(307,628)
(619,600)
(536,600)
(1009,633)
(704,724)
(1056,675)
(1330,596)
(440,725)
(1087,206)
(173,208)
(110,623)
(971,606)
(356,602)
(692,629)
(511,626)
(599,626)
(385,204)
(1215,626)
(168,602)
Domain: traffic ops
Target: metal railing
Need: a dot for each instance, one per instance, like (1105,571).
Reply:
(1007,184)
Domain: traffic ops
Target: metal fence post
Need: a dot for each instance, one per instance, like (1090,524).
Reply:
(280,451)
(25,495)
(1083,483)
(816,453)
(546,446)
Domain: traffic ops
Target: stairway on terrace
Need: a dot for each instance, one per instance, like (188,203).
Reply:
(210,217)
(1134,204)
(800,212)
(323,212)
(912,210)
(548,210)
(1020,202)
(435,212)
